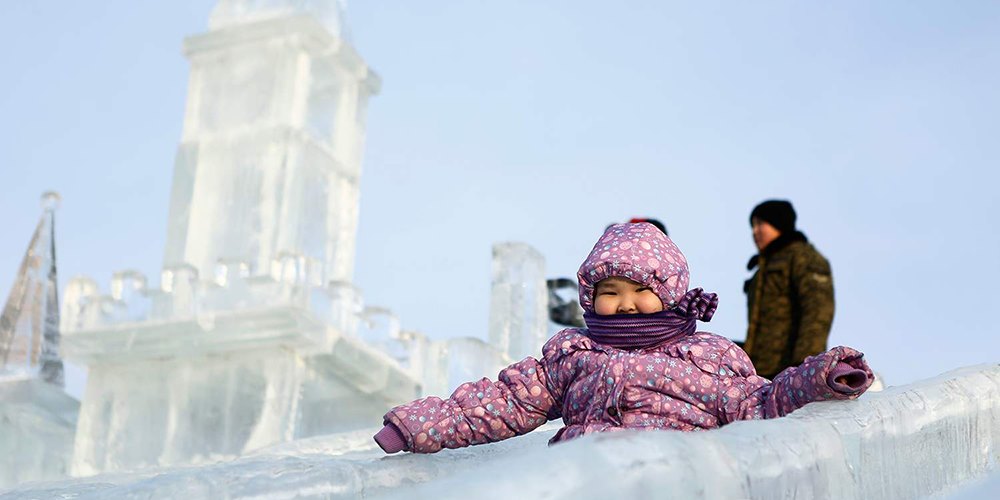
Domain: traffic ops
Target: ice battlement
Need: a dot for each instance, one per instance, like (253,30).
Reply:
(290,307)
(233,310)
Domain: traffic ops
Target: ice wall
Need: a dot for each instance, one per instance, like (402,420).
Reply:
(37,423)
(928,438)
(219,386)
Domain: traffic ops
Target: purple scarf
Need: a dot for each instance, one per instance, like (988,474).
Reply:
(635,331)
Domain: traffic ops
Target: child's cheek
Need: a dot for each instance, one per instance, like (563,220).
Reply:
(603,306)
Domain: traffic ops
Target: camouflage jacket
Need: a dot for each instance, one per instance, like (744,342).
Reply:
(790,304)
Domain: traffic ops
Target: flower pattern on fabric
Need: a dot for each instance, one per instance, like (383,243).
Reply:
(702,381)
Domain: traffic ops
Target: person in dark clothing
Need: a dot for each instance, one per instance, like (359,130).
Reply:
(790,302)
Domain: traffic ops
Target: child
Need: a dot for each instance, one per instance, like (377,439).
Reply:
(639,364)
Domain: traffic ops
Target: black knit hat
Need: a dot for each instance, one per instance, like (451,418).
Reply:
(778,213)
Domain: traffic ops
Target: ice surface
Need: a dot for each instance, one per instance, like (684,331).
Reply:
(518,300)
(928,438)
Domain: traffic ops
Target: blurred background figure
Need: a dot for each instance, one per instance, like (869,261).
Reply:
(789,297)
(659,225)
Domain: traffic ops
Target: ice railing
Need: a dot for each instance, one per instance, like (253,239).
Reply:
(930,438)
(235,308)
(288,303)
(291,280)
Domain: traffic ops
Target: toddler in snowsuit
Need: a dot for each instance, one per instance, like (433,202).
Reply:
(639,364)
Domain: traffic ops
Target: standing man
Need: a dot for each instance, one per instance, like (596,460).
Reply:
(789,297)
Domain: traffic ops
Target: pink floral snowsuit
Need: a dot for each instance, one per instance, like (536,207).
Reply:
(699,381)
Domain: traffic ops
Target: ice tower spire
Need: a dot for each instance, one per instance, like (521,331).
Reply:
(29,326)
(232,12)
(268,166)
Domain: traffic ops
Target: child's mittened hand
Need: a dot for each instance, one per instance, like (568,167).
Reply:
(390,439)
(850,374)
(845,379)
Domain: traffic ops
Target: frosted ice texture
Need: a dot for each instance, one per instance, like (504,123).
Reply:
(914,441)
(37,424)
(518,300)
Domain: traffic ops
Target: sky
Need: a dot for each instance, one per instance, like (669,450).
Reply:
(542,122)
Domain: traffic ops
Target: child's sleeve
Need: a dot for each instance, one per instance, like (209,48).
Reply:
(477,412)
(840,373)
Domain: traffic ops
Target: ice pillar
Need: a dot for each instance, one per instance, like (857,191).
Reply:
(518,307)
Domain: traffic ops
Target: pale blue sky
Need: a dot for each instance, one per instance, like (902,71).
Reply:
(543,123)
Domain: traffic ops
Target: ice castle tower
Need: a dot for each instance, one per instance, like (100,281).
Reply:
(270,156)
(250,337)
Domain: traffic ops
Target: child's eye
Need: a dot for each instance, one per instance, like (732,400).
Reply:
(607,292)
(644,289)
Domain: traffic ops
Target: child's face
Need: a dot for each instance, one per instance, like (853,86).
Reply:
(623,296)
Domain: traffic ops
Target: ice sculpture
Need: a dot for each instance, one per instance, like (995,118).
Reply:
(518,301)
(267,170)
(37,419)
(930,438)
(29,325)
(250,338)
(255,334)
